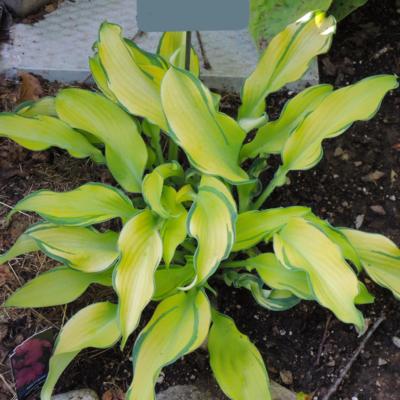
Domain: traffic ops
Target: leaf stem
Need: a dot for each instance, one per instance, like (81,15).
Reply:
(172,151)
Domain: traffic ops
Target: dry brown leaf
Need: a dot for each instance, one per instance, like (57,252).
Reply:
(113,394)
(5,274)
(30,88)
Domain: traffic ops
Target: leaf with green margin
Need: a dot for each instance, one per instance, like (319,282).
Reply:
(254,226)
(211,139)
(302,246)
(100,77)
(24,244)
(140,247)
(379,256)
(44,106)
(170,279)
(89,204)
(94,326)
(179,325)
(211,221)
(126,152)
(337,237)
(269,17)
(271,138)
(83,249)
(236,363)
(285,60)
(153,184)
(43,132)
(134,88)
(331,118)
(58,286)
(274,300)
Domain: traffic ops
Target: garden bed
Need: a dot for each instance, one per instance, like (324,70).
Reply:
(356,184)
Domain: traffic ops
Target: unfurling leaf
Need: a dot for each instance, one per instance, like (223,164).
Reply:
(87,205)
(94,326)
(24,244)
(211,222)
(44,106)
(235,361)
(141,249)
(210,139)
(179,325)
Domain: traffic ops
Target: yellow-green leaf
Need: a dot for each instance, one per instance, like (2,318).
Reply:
(172,47)
(277,276)
(271,138)
(89,204)
(126,152)
(43,132)
(24,244)
(94,326)
(211,140)
(286,59)
(173,233)
(332,117)
(300,245)
(133,88)
(179,324)
(141,249)
(84,249)
(379,256)
(235,361)
(254,226)
(153,184)
(169,280)
(211,222)
(100,77)
(56,287)
(44,106)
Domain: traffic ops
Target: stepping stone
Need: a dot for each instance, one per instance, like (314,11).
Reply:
(58,46)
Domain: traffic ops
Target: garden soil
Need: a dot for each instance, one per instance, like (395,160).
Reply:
(357,184)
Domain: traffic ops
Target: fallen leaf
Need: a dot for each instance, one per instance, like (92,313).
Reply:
(5,274)
(286,376)
(377,209)
(373,176)
(30,88)
(113,394)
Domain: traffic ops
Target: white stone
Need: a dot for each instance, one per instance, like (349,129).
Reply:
(58,46)
(82,394)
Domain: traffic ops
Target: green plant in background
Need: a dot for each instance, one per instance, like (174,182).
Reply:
(192,206)
(269,17)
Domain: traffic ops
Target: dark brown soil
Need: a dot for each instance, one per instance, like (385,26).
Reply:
(357,182)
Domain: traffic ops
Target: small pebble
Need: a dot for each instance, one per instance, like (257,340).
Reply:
(381,362)
(377,209)
(396,341)
(286,376)
(359,220)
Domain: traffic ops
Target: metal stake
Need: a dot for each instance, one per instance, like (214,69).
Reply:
(188,49)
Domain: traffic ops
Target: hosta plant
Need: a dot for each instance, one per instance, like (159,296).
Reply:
(192,206)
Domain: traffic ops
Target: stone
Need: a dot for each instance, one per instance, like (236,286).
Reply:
(58,46)
(22,8)
(396,341)
(82,394)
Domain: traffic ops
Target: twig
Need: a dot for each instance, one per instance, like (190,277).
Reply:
(7,385)
(346,369)
(324,337)
(206,62)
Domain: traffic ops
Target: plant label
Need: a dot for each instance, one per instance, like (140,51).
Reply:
(192,15)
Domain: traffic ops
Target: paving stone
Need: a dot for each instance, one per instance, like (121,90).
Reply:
(82,394)
(58,46)
(23,8)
